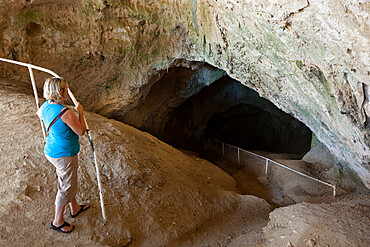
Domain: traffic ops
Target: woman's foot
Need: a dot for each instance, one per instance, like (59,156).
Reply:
(63,228)
(77,210)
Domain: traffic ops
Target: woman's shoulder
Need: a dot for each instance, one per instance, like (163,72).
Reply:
(47,107)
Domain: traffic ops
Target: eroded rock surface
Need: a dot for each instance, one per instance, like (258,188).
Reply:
(310,58)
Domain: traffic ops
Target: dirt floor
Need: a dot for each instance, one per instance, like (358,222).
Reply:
(156,195)
(305,212)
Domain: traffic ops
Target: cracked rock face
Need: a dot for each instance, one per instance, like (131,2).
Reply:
(309,58)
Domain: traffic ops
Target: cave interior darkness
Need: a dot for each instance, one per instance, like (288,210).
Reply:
(187,105)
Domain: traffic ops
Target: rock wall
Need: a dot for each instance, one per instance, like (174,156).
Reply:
(310,58)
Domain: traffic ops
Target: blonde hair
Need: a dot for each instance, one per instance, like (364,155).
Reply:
(52,88)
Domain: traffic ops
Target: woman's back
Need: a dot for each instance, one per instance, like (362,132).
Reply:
(62,141)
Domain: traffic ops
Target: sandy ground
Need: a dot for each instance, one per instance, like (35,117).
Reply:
(305,212)
(155,195)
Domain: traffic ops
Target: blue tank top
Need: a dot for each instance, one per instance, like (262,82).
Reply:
(62,141)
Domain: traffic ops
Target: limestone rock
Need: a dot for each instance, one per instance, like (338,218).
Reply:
(310,58)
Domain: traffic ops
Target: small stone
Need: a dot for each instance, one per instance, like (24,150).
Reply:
(27,198)
(310,243)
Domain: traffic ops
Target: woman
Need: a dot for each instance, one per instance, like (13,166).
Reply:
(62,147)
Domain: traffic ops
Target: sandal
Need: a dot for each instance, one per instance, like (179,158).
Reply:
(59,228)
(80,211)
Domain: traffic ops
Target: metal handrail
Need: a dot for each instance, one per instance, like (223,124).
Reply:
(274,162)
(30,67)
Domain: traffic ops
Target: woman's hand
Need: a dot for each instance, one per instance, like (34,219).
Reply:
(79,107)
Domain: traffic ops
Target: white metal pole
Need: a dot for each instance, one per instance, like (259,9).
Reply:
(267,167)
(75,103)
(238,156)
(37,100)
(30,66)
(95,161)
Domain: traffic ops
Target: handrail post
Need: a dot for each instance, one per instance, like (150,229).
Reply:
(267,167)
(238,156)
(36,99)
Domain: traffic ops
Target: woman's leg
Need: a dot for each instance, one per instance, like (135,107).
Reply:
(58,217)
(75,207)
(65,171)
(59,220)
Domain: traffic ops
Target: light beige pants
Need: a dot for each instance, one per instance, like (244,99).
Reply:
(66,169)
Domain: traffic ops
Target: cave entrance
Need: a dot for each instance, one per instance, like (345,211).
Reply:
(233,113)
(191,103)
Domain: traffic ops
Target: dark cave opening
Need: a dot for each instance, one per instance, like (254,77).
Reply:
(251,127)
(235,114)
(191,103)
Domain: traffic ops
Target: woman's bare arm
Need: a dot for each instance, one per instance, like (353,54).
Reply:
(76,124)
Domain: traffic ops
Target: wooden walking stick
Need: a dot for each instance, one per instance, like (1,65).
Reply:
(30,67)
